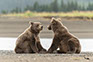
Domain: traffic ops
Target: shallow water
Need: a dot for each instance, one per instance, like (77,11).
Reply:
(9,44)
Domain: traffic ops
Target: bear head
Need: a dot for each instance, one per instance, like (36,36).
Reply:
(36,27)
(55,24)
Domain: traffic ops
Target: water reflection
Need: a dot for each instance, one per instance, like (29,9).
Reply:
(9,44)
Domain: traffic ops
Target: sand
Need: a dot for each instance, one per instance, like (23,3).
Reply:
(13,26)
(10,56)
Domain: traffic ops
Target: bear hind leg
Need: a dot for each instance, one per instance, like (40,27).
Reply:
(71,47)
(18,50)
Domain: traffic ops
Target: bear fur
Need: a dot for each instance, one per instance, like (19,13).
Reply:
(63,39)
(28,41)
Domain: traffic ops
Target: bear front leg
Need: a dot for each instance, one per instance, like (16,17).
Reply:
(72,48)
(38,44)
(54,45)
(33,47)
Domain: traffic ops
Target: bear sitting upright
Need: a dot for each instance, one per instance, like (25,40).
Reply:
(63,39)
(28,41)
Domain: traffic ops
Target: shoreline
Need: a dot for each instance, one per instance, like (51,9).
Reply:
(10,56)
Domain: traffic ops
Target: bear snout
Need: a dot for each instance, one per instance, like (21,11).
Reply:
(49,27)
(41,27)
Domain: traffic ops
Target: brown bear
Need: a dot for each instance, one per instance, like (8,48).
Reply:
(28,41)
(63,39)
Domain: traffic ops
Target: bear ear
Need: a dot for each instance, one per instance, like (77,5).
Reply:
(59,19)
(31,23)
(53,19)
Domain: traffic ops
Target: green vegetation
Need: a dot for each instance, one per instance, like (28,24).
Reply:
(16,10)
(62,7)
(4,12)
(61,14)
(54,6)
(70,9)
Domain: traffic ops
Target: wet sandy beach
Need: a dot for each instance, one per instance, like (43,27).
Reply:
(13,26)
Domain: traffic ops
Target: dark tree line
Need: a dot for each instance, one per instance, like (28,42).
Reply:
(55,7)
(63,7)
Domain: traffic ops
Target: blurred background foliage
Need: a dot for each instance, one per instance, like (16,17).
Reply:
(20,6)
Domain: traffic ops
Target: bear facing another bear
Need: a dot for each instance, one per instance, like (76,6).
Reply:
(63,39)
(29,41)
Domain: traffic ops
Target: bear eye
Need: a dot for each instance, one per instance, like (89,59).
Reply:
(37,25)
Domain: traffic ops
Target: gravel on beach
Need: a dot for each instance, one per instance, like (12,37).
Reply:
(11,56)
